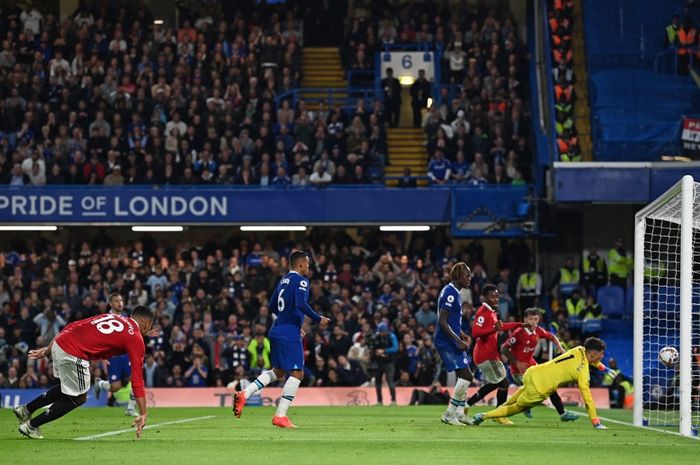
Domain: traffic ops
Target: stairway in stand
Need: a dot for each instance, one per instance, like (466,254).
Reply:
(406,150)
(322,68)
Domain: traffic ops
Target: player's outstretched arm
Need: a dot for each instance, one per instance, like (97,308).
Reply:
(41,353)
(584,387)
(511,326)
(36,354)
(556,342)
(140,421)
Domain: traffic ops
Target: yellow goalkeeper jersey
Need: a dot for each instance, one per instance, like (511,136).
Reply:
(570,367)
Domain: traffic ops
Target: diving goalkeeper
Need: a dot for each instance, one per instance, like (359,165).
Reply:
(541,381)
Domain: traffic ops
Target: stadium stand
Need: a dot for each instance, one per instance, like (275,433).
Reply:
(637,98)
(225,98)
(484,76)
(107,97)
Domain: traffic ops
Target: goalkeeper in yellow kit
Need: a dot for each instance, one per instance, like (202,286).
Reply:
(541,381)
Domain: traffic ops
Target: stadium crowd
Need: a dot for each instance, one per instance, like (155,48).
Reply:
(479,131)
(210,303)
(108,97)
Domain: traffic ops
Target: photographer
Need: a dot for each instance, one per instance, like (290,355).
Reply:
(384,346)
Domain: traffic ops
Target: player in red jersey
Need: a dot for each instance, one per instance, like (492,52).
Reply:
(486,354)
(520,347)
(96,338)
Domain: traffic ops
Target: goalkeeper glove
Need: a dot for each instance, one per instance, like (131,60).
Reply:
(597,424)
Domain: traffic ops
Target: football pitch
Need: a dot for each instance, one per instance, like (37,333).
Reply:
(337,435)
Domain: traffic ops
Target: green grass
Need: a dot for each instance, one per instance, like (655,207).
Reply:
(340,435)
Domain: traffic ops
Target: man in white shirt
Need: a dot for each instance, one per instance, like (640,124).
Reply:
(32,20)
(177,124)
(320,177)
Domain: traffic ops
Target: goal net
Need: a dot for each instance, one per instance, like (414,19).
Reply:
(667,302)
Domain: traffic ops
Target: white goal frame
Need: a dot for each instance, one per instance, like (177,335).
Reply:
(684,189)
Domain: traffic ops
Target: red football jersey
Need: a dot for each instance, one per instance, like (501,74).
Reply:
(522,345)
(486,335)
(104,336)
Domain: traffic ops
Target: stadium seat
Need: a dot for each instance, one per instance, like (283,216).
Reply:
(612,299)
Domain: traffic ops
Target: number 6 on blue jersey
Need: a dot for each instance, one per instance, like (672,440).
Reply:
(280,301)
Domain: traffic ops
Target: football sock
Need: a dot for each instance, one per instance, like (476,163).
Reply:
(131,405)
(288,392)
(557,403)
(481,393)
(103,384)
(49,397)
(63,405)
(504,411)
(260,382)
(458,395)
(501,396)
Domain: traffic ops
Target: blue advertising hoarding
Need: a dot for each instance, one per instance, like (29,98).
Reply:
(202,205)
(618,182)
(365,205)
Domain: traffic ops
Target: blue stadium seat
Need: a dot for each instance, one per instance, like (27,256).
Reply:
(612,299)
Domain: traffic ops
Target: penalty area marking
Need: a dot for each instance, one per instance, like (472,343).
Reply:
(131,430)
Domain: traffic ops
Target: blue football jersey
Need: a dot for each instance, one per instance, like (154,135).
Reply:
(290,303)
(449,301)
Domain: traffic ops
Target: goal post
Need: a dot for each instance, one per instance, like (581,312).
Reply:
(664,276)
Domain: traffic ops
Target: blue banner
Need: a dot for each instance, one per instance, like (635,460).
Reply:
(106,205)
(11,398)
(617,182)
(357,205)
(203,205)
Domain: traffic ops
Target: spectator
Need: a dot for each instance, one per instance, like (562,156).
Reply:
(529,288)
(196,375)
(18,177)
(153,373)
(459,168)
(575,305)
(619,264)
(428,363)
(320,177)
(672,30)
(439,169)
(392,98)
(407,180)
(460,125)
(567,279)
(420,93)
(259,350)
(591,318)
(50,324)
(36,177)
(426,316)
(456,57)
(383,357)
(479,166)
(594,271)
